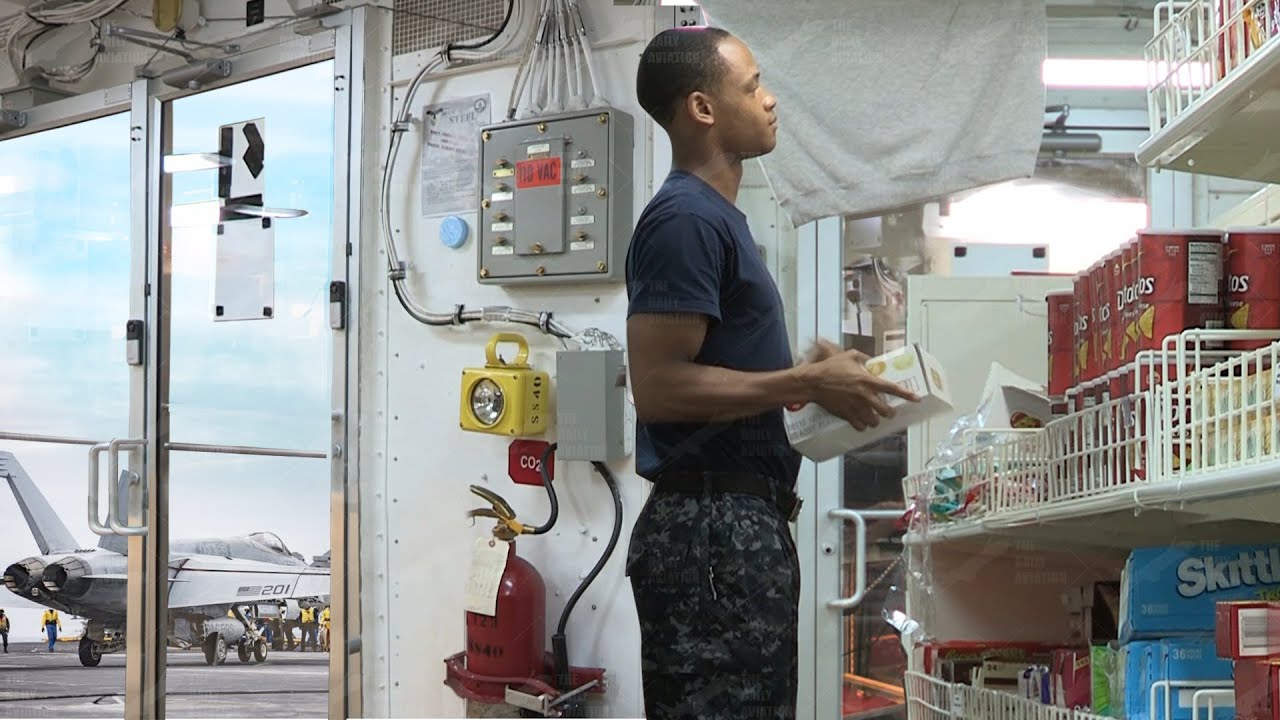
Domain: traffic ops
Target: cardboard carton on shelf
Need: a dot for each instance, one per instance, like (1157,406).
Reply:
(819,435)
(1014,402)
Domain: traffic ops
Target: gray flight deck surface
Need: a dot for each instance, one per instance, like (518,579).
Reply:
(37,683)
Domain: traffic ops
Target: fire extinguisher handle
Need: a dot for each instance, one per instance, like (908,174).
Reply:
(500,506)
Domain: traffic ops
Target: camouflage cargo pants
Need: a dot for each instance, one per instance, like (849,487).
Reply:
(716,582)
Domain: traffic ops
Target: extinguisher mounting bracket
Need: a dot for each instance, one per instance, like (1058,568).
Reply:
(532,693)
(544,704)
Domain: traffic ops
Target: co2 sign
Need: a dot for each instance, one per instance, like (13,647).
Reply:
(524,462)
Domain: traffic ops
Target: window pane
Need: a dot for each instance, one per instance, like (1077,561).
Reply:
(65,254)
(262,382)
(64,280)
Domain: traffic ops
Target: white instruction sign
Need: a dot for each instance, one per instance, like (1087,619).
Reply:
(488,562)
(451,154)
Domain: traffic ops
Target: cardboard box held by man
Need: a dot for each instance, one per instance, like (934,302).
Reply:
(819,435)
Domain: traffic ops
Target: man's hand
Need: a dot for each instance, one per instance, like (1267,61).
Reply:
(850,392)
(823,349)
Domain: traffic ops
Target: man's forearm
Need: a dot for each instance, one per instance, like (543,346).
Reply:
(689,392)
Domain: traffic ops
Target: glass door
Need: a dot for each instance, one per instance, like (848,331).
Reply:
(72,271)
(248,395)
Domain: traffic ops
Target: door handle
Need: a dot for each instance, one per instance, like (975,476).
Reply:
(859,519)
(94,523)
(113,499)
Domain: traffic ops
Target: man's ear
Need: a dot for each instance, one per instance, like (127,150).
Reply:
(698,105)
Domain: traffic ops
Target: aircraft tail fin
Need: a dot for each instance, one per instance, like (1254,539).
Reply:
(46,527)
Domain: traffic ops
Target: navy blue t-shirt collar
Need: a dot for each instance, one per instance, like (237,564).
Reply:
(705,188)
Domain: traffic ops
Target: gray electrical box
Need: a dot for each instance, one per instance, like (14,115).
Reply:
(591,392)
(556,198)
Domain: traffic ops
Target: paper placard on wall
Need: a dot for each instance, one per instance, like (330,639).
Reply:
(451,155)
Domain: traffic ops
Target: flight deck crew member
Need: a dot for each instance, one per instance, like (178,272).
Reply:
(52,624)
(324,629)
(308,629)
(712,564)
(286,627)
(4,630)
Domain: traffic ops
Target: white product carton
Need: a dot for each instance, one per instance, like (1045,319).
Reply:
(819,435)
(1014,402)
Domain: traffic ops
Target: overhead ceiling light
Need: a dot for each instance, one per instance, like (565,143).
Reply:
(1117,73)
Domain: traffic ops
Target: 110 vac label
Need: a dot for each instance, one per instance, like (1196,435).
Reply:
(538,172)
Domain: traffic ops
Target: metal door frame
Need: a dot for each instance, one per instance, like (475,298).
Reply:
(824,265)
(343,41)
(343,44)
(352,97)
(820,313)
(151,137)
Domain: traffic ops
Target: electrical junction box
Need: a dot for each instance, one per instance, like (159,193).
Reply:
(556,198)
(591,395)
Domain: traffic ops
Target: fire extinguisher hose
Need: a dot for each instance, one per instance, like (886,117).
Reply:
(559,645)
(551,492)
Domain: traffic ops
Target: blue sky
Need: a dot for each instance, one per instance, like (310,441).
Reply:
(64,284)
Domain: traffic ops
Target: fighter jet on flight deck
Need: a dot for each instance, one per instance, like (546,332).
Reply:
(207,578)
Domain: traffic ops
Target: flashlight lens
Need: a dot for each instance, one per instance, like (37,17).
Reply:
(487,402)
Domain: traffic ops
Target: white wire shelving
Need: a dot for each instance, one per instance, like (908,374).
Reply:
(1203,445)
(929,698)
(1213,91)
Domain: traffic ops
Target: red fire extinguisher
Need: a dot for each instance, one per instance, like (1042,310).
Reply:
(511,643)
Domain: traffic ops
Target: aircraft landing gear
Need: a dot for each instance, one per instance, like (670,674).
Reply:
(253,646)
(215,649)
(90,652)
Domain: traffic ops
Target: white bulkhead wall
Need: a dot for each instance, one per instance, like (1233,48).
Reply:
(415,462)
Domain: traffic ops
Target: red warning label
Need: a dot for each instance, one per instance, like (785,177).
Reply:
(537,172)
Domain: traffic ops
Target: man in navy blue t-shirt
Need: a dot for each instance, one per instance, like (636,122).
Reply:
(712,564)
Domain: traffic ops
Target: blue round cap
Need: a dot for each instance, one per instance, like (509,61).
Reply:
(453,232)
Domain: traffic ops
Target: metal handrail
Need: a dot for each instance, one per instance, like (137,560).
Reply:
(54,439)
(244,450)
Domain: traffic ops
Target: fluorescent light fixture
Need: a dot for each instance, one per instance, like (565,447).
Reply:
(680,3)
(1118,73)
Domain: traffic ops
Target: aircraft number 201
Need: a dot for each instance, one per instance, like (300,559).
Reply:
(275,590)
